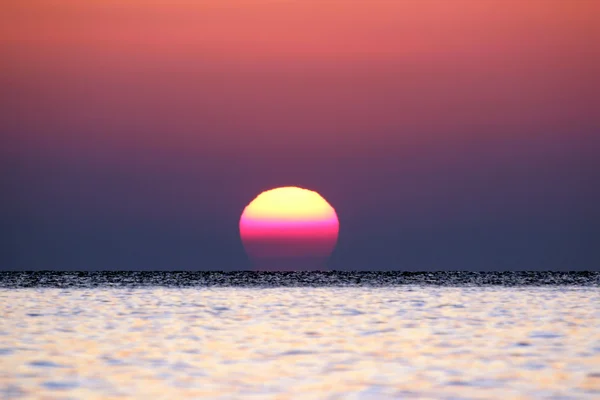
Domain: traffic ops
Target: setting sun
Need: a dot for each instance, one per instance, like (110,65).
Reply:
(289,228)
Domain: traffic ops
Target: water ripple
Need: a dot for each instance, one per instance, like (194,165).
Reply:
(304,342)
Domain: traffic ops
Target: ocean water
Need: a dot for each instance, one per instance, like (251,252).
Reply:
(309,336)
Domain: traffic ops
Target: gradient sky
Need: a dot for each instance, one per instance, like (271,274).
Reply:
(456,135)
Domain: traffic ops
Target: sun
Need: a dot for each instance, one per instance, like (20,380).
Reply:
(289,228)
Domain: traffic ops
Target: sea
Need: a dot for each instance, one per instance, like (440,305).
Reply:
(314,335)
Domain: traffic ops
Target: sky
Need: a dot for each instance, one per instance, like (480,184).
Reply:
(448,135)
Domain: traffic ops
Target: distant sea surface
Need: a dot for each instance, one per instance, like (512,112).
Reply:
(317,335)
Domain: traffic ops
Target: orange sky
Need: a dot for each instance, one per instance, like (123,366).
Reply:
(292,74)
(242,30)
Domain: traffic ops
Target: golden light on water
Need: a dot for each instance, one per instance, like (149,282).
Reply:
(299,342)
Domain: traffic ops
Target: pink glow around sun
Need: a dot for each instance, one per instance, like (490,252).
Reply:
(289,228)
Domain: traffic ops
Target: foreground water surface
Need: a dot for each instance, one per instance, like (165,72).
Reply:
(363,342)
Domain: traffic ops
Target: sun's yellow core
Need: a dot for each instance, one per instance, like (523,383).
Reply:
(289,203)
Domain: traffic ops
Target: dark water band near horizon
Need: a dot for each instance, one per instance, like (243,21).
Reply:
(86,279)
